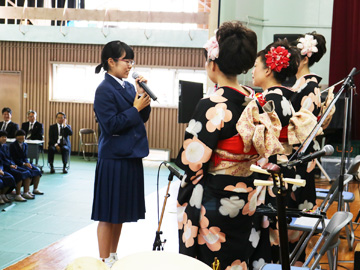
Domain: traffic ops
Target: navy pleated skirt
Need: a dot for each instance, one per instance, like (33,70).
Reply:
(19,173)
(119,191)
(34,171)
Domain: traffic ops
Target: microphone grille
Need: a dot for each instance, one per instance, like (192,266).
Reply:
(329,150)
(135,75)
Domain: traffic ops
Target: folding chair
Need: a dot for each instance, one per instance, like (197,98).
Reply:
(354,168)
(57,166)
(88,138)
(348,197)
(310,224)
(329,239)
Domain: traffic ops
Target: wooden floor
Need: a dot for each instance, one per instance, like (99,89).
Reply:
(344,253)
(84,243)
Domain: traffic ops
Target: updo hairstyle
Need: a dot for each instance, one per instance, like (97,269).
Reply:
(294,61)
(237,48)
(321,46)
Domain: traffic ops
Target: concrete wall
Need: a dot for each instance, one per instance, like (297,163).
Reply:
(267,18)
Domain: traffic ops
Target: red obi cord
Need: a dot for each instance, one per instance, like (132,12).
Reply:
(261,99)
(284,134)
(234,145)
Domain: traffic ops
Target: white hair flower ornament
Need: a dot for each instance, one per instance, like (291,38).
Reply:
(307,45)
(212,48)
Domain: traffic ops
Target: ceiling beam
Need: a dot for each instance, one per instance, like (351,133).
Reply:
(70,14)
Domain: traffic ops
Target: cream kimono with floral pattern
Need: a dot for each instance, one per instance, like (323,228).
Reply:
(216,205)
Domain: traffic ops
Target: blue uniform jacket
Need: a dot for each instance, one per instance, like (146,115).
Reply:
(5,156)
(1,165)
(17,154)
(123,133)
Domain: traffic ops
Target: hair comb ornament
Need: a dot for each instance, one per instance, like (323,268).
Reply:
(277,58)
(307,45)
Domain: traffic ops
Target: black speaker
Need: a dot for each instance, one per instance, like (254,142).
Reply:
(189,95)
(290,37)
(357,257)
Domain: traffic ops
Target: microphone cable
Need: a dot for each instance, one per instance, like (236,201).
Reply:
(157,191)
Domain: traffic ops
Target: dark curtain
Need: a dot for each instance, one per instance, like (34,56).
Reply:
(345,52)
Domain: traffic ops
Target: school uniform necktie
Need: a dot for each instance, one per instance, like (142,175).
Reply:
(62,141)
(30,131)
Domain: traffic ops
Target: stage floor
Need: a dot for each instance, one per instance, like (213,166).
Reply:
(28,227)
(55,229)
(135,238)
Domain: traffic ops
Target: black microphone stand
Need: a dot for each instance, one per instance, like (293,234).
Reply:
(158,244)
(347,86)
(280,190)
(303,147)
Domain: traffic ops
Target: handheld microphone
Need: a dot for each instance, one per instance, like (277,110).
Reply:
(174,171)
(144,86)
(177,174)
(326,151)
(350,76)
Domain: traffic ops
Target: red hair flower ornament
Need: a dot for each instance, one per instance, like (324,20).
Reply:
(277,58)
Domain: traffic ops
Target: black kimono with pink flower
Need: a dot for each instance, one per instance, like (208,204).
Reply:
(307,96)
(216,209)
(281,96)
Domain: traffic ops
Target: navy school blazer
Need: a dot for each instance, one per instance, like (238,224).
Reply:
(19,155)
(5,156)
(123,133)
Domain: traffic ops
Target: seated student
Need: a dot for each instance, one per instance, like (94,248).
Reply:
(7,183)
(18,152)
(7,125)
(1,188)
(34,130)
(21,175)
(59,141)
